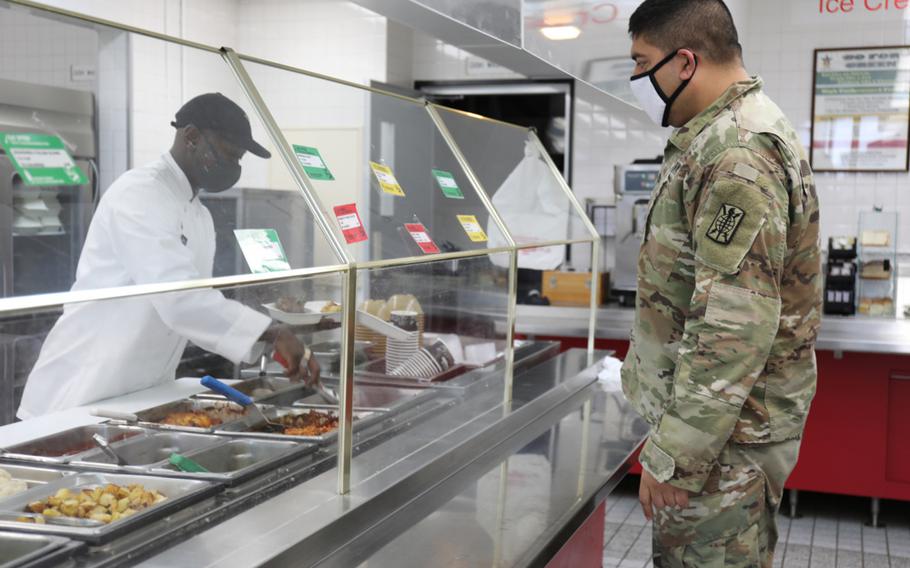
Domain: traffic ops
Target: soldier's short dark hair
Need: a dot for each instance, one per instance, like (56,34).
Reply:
(704,26)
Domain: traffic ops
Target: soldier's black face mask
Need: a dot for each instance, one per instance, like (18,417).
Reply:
(651,97)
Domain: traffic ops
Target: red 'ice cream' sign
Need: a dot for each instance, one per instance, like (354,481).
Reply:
(848,6)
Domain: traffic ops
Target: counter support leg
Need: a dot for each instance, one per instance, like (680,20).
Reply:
(876,509)
(794,501)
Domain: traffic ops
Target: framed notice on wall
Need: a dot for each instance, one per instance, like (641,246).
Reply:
(861,110)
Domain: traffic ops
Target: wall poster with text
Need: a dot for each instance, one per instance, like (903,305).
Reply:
(861,110)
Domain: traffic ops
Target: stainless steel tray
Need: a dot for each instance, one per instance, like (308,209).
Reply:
(252,427)
(32,476)
(258,388)
(65,446)
(375,370)
(237,460)
(179,493)
(21,549)
(224,410)
(381,398)
(141,453)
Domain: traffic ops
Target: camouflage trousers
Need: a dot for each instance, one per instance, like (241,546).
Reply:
(732,522)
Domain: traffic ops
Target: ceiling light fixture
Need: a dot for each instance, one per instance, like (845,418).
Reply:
(559,33)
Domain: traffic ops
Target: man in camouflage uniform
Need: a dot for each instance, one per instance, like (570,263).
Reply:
(722,361)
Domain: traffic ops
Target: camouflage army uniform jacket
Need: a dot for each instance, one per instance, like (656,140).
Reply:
(729,290)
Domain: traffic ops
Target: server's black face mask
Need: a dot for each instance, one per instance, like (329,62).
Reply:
(214,172)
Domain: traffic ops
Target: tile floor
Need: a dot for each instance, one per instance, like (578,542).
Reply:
(830,533)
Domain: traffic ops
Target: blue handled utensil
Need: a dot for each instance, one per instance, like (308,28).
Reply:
(243,400)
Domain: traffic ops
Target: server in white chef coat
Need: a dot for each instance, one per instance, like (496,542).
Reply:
(150,227)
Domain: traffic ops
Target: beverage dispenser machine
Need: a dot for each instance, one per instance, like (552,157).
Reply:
(633,186)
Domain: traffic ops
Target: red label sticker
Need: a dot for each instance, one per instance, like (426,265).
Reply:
(421,237)
(350,223)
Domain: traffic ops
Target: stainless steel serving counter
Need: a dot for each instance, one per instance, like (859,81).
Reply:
(481,484)
(458,474)
(857,333)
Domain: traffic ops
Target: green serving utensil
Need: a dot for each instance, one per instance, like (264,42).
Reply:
(185,464)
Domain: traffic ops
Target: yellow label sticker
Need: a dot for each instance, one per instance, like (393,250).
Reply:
(472,228)
(386,179)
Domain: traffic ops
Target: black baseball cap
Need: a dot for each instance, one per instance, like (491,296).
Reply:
(216,112)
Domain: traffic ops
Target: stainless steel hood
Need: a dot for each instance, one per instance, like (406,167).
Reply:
(514,39)
(67,113)
(454,32)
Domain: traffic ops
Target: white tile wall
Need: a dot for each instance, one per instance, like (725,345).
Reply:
(147,14)
(399,54)
(333,37)
(41,50)
(113,105)
(779,37)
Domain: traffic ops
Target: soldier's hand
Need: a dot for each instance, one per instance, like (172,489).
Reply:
(654,495)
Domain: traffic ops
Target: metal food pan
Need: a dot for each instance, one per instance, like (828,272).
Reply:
(32,476)
(376,369)
(258,388)
(140,453)
(65,446)
(18,549)
(288,397)
(179,493)
(380,398)
(238,460)
(367,396)
(221,409)
(254,427)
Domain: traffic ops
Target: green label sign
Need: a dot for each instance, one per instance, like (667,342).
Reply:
(312,163)
(447,184)
(262,250)
(41,159)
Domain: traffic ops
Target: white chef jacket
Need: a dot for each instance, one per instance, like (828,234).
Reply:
(148,228)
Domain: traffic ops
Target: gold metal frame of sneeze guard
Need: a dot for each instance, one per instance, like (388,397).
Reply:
(585,440)
(346,394)
(512,306)
(349,280)
(503,497)
(314,203)
(592,231)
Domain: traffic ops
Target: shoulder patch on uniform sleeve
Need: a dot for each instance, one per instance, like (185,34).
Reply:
(745,171)
(727,224)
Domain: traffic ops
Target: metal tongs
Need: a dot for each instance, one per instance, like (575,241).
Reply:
(328,394)
(62,520)
(107,449)
(243,400)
